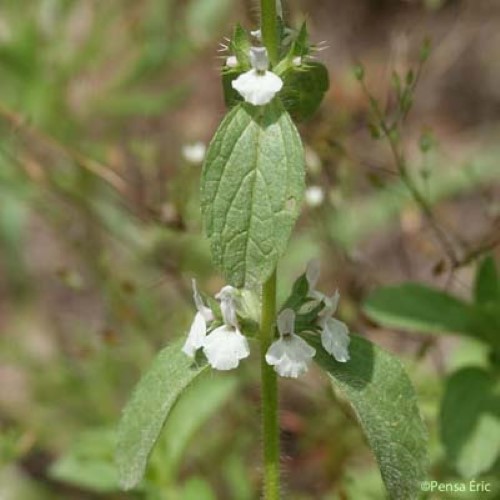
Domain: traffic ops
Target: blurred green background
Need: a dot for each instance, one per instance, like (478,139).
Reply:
(101,104)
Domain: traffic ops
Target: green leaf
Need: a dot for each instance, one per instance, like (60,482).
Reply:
(304,89)
(144,415)
(89,462)
(197,405)
(376,387)
(487,284)
(252,188)
(240,46)
(416,307)
(470,420)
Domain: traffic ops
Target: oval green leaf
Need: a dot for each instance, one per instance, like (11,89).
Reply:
(376,387)
(416,307)
(470,421)
(145,413)
(252,188)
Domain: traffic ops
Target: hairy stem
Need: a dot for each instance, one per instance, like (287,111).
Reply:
(269,26)
(270,424)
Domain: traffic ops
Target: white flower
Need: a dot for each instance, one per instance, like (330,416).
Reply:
(297,61)
(198,330)
(257,34)
(312,276)
(258,86)
(334,334)
(232,62)
(227,297)
(315,196)
(335,338)
(290,355)
(194,153)
(226,346)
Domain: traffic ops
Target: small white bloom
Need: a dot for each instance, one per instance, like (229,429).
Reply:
(257,34)
(312,276)
(226,346)
(297,61)
(258,86)
(334,334)
(335,338)
(232,62)
(198,330)
(290,355)
(227,297)
(194,153)
(315,196)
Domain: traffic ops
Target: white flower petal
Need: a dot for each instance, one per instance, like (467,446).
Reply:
(286,322)
(259,59)
(224,348)
(226,292)
(290,356)
(232,62)
(205,311)
(331,304)
(335,339)
(227,297)
(258,88)
(312,274)
(257,34)
(196,336)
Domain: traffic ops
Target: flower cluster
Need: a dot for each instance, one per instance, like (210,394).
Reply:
(224,344)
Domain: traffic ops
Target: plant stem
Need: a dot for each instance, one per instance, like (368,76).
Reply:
(270,424)
(269,26)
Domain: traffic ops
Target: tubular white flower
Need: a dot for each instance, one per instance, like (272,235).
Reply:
(312,276)
(334,334)
(290,355)
(225,347)
(258,86)
(228,305)
(198,330)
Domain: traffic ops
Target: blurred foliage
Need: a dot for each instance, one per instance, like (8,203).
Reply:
(100,230)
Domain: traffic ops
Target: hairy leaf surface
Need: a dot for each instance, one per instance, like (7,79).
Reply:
(252,188)
(376,387)
(145,413)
